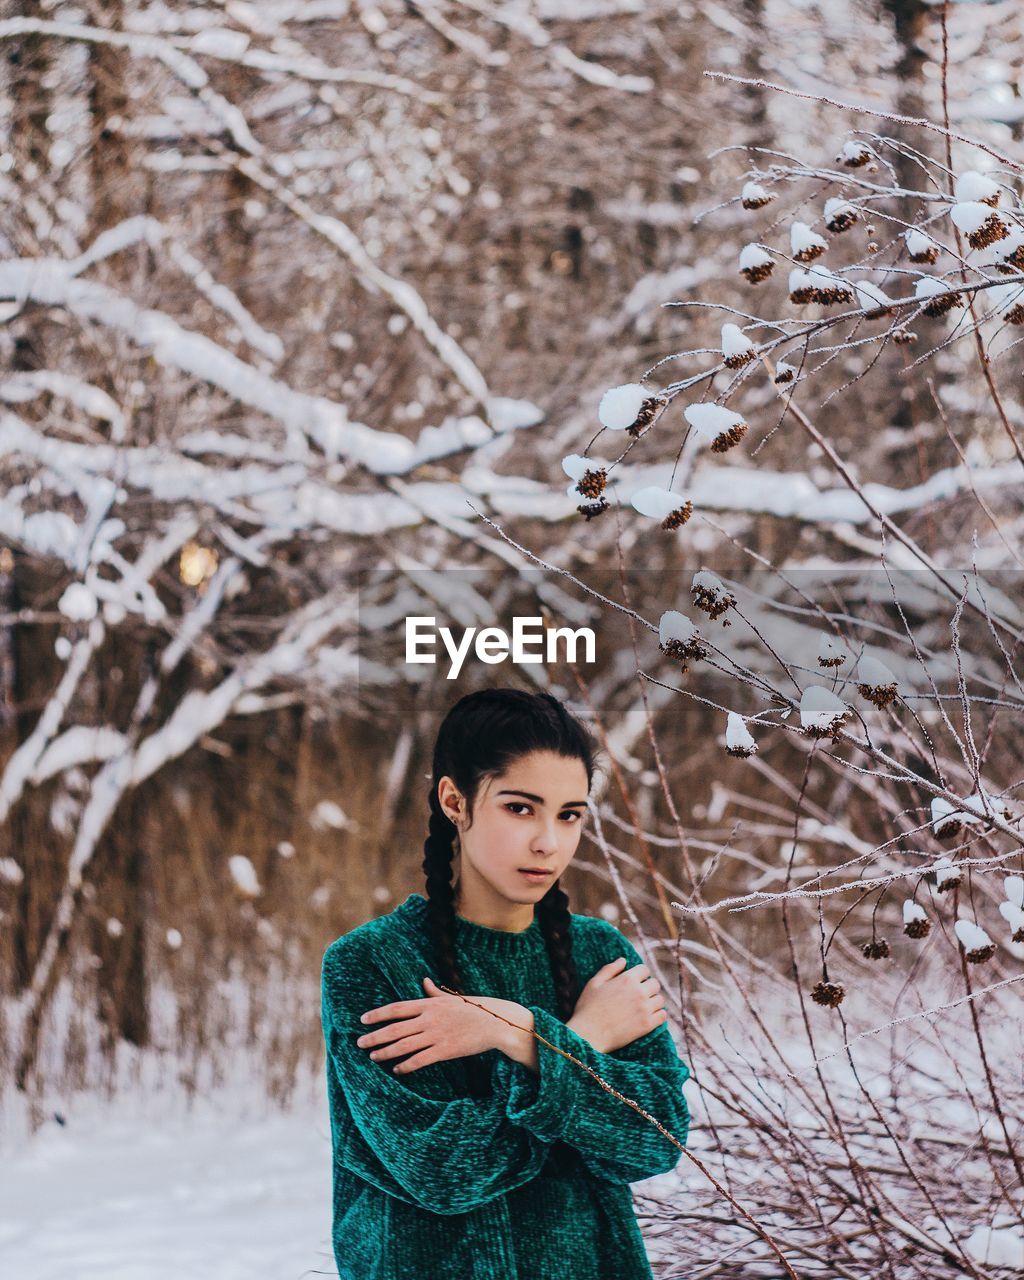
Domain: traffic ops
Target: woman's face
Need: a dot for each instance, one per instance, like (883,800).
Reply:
(529,816)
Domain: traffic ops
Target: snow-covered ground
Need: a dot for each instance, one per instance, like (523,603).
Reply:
(119,1193)
(114,1196)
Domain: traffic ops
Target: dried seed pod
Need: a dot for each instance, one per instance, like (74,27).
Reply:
(876,682)
(754,196)
(977,945)
(919,247)
(649,410)
(784,373)
(903,337)
(940,298)
(840,215)
(947,876)
(714,423)
(710,594)
(678,637)
(737,349)
(801,286)
(918,927)
(756,263)
(829,653)
(876,949)
(855,154)
(980,224)
(593,483)
(829,994)
(591,509)
(805,243)
(664,505)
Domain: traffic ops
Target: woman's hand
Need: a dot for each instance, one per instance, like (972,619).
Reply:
(437,1029)
(618,1006)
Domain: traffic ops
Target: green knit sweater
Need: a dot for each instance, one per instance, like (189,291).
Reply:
(528,1183)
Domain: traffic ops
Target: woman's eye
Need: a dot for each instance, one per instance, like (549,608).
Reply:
(514,805)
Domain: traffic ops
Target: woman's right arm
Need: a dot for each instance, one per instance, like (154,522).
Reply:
(446,1156)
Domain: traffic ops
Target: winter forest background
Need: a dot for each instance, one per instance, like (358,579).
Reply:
(309,312)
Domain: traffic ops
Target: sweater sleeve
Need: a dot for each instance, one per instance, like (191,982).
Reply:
(565,1102)
(448,1156)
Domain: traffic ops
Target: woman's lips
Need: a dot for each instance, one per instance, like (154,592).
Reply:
(536,875)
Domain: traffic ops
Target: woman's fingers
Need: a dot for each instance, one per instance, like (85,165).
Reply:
(408,1044)
(398,1009)
(386,1034)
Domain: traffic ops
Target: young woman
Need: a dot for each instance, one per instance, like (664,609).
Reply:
(464,1148)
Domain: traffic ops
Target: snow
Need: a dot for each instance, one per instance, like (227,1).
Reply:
(620,405)
(328,814)
(972,936)
(754,195)
(972,187)
(997,1247)
(735,343)
(830,651)
(945,871)
(202,1196)
(820,708)
(574,466)
(752,255)
(1013,915)
(871,671)
(674,625)
(1013,887)
(917,242)
(10,871)
(243,873)
(928,287)
(805,242)
(913,911)
(971,216)
(738,737)
(78,603)
(869,296)
(657,503)
(710,420)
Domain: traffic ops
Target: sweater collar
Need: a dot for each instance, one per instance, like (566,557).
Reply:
(473,937)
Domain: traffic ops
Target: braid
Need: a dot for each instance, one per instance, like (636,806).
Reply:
(438,852)
(554,919)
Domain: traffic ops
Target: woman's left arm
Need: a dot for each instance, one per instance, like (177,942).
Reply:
(560,1100)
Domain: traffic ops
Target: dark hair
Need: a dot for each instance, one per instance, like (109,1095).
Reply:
(480,737)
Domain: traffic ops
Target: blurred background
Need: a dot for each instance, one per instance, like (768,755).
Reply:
(294,295)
